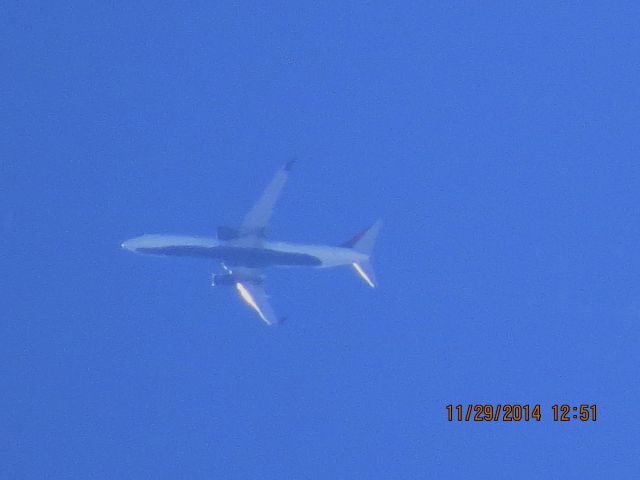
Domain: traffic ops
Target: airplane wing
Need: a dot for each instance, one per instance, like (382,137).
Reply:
(258,218)
(254,294)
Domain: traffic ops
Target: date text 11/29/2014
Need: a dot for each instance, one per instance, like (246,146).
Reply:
(514,412)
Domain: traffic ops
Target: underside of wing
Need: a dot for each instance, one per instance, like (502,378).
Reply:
(256,297)
(249,283)
(257,219)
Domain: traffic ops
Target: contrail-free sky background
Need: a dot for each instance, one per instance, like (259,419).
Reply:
(498,141)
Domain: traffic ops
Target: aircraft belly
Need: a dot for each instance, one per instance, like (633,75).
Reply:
(237,256)
(259,257)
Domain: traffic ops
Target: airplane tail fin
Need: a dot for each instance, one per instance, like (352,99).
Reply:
(364,242)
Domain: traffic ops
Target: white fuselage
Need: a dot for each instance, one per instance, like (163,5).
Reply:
(238,253)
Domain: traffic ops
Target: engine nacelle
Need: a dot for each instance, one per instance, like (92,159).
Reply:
(230,279)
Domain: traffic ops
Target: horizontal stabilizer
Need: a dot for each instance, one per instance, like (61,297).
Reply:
(364,269)
(364,242)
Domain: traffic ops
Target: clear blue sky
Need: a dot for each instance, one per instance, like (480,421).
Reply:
(498,141)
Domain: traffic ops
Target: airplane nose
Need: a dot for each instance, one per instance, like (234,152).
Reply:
(131,244)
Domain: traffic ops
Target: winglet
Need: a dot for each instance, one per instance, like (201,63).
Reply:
(289,165)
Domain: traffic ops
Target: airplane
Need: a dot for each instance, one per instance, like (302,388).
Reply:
(245,251)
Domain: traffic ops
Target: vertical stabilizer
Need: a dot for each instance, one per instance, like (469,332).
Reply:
(364,241)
